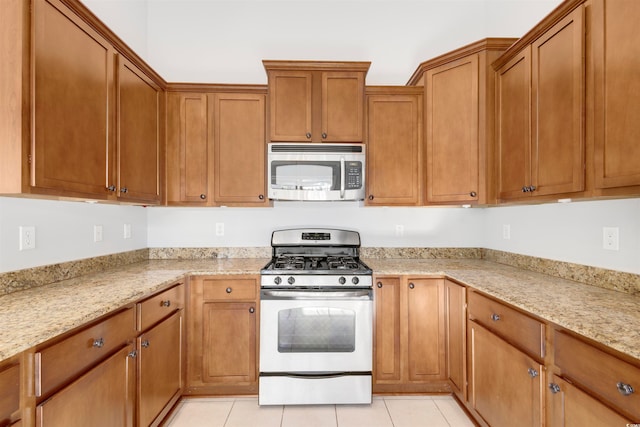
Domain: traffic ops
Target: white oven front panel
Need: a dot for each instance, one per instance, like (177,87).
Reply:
(316,335)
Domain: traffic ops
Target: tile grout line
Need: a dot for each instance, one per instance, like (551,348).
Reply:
(442,413)
(226,420)
(388,412)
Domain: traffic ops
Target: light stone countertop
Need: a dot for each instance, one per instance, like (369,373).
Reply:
(35,315)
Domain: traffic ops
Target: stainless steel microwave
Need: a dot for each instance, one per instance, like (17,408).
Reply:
(312,171)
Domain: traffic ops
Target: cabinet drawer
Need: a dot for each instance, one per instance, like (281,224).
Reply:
(154,309)
(59,363)
(599,372)
(517,328)
(9,391)
(229,290)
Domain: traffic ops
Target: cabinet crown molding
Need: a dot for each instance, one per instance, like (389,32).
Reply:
(362,66)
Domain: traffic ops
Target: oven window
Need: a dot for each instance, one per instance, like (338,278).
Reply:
(316,329)
(319,176)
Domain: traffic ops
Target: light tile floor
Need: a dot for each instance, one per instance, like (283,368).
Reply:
(388,411)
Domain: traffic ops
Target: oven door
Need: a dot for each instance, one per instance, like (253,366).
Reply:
(316,331)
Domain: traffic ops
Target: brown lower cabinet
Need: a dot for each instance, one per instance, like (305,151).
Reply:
(9,392)
(409,352)
(455,339)
(223,335)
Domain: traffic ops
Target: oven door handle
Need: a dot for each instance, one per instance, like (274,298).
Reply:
(356,294)
(342,178)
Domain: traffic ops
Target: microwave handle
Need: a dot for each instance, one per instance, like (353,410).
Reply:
(342,178)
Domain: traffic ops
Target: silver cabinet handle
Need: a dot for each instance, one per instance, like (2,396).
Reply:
(379,284)
(252,310)
(473,194)
(555,388)
(370,196)
(98,343)
(261,196)
(133,354)
(324,135)
(111,188)
(625,389)
(411,286)
(308,135)
(203,196)
(495,317)
(229,290)
(166,303)
(145,344)
(124,190)
(532,188)
(532,372)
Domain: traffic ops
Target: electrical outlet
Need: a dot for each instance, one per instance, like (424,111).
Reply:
(611,238)
(127,231)
(27,237)
(97,233)
(219,228)
(506,231)
(399,230)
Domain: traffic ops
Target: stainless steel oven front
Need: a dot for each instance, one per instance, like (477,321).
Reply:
(316,346)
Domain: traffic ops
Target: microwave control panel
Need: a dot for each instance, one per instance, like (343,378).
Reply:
(353,178)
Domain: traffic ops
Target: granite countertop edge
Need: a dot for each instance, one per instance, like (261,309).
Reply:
(34,316)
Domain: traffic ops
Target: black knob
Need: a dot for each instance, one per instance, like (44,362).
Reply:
(355,280)
(473,194)
(111,188)
(308,135)
(252,310)
(277,280)
(371,197)
(203,196)
(229,290)
(291,280)
(411,286)
(261,197)
(342,280)
(379,284)
(324,135)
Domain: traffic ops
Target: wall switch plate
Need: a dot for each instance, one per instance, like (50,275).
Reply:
(506,232)
(219,228)
(127,231)
(399,230)
(97,233)
(611,238)
(27,237)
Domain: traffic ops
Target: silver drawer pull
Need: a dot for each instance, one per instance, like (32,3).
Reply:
(532,372)
(555,388)
(625,389)
(133,354)
(145,344)
(495,317)
(166,303)
(98,343)
(229,290)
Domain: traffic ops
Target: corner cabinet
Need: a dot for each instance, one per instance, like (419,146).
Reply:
(459,92)
(316,101)
(540,113)
(216,145)
(223,335)
(81,117)
(394,146)
(409,350)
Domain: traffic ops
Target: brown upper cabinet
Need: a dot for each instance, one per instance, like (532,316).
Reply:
(459,116)
(216,145)
(394,145)
(83,112)
(316,101)
(540,111)
(616,96)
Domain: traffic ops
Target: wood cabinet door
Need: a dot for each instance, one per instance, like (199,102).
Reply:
(387,325)
(159,368)
(239,148)
(229,343)
(103,397)
(425,333)
(290,105)
(394,136)
(189,152)
(9,392)
(557,86)
(452,131)
(514,126)
(455,340)
(571,407)
(342,107)
(505,384)
(73,86)
(138,122)
(616,61)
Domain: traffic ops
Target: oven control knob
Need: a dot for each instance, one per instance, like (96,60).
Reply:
(291,280)
(355,280)
(342,280)
(277,280)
